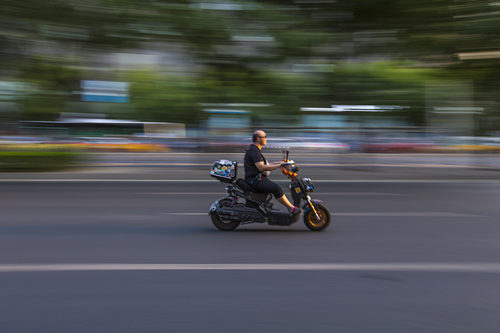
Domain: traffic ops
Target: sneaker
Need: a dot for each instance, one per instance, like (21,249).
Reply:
(294,210)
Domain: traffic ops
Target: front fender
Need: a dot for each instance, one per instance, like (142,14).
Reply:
(306,206)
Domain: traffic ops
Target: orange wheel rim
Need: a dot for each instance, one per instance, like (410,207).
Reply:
(314,221)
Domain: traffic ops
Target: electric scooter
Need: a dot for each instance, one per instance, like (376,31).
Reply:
(243,205)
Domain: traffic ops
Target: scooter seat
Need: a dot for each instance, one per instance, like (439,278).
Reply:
(242,184)
(251,192)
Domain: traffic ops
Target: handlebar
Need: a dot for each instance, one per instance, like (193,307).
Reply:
(289,168)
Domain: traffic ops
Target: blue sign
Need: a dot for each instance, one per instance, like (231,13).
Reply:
(105,91)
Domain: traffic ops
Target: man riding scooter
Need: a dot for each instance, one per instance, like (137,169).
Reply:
(257,170)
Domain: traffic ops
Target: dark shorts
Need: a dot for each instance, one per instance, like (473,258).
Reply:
(265,185)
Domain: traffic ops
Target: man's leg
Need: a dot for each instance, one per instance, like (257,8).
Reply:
(276,190)
(284,201)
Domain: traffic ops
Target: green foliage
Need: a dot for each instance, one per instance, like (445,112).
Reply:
(168,98)
(22,161)
(348,34)
(53,84)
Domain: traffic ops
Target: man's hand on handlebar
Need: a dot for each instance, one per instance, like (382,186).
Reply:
(287,163)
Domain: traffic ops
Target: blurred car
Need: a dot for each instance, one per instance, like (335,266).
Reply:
(396,145)
(226,143)
(466,144)
(118,144)
(82,143)
(18,142)
(18,139)
(180,144)
(308,144)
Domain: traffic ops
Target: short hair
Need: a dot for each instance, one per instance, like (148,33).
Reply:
(256,134)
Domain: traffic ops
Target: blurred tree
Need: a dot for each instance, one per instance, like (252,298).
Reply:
(164,98)
(53,86)
(250,48)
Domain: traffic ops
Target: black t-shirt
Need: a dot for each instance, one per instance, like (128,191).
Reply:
(252,156)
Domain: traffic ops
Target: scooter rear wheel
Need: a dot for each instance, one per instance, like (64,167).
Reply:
(312,222)
(221,225)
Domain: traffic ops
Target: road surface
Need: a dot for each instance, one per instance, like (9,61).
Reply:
(142,256)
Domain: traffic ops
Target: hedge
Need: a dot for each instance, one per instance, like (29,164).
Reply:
(37,160)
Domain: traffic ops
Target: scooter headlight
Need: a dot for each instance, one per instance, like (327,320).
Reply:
(308,184)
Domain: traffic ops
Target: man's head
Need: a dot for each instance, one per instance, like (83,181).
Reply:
(259,138)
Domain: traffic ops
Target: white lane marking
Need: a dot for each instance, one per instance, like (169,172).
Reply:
(361,193)
(305,153)
(372,214)
(97,180)
(408,214)
(407,181)
(195,214)
(381,181)
(182,193)
(395,165)
(322,193)
(445,267)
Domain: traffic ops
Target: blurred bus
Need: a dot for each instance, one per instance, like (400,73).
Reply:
(84,127)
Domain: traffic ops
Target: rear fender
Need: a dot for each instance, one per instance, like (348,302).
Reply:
(214,206)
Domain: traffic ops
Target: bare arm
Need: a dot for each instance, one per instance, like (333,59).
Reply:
(269,167)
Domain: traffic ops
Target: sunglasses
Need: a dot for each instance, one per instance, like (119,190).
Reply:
(263,137)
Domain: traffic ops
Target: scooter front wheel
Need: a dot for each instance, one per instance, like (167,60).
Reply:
(315,224)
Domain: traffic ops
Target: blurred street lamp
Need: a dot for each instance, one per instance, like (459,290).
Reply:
(479,55)
(355,108)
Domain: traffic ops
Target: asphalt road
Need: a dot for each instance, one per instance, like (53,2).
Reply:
(142,256)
